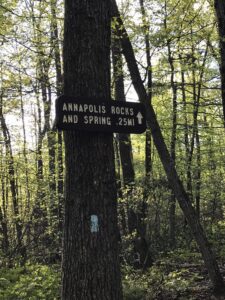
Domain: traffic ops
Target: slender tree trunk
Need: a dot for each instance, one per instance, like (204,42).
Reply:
(197,89)
(90,264)
(145,253)
(46,98)
(13,186)
(186,135)
(4,231)
(148,138)
(59,87)
(43,65)
(3,209)
(122,215)
(125,147)
(168,163)
(39,213)
(220,13)
(172,208)
(198,176)
(27,187)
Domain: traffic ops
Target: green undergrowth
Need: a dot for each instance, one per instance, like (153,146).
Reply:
(30,282)
(178,275)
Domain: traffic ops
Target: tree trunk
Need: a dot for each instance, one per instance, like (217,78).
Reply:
(39,213)
(90,264)
(145,253)
(172,208)
(168,163)
(3,209)
(198,176)
(220,13)
(59,86)
(125,147)
(148,138)
(13,186)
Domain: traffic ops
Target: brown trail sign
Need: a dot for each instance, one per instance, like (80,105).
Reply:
(99,115)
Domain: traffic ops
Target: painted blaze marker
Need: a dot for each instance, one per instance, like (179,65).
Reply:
(91,114)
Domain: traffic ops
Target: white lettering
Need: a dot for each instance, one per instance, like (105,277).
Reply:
(103,120)
(85,107)
(108,121)
(64,107)
(91,118)
(91,108)
(96,110)
(85,119)
(70,119)
(113,110)
(97,120)
(130,122)
(126,122)
(116,110)
(75,119)
(70,106)
(103,109)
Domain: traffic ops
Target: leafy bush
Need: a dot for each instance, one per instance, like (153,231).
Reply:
(176,275)
(31,282)
(134,284)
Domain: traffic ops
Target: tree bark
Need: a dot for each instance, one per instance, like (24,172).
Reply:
(168,164)
(220,13)
(59,87)
(90,264)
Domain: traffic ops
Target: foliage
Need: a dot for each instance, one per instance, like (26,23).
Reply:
(166,279)
(30,282)
(134,284)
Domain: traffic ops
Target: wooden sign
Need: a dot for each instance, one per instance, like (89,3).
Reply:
(99,115)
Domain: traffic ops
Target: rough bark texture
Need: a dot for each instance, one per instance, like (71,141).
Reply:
(220,13)
(90,259)
(168,163)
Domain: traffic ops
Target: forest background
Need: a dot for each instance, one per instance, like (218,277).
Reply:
(176,46)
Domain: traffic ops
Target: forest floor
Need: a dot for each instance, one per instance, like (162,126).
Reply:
(199,286)
(176,275)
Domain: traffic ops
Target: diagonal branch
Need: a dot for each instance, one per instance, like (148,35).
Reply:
(168,163)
